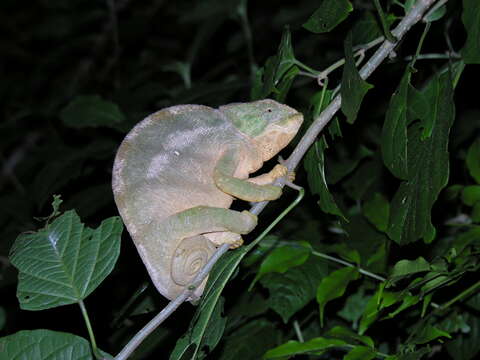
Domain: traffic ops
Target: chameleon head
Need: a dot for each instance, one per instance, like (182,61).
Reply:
(271,125)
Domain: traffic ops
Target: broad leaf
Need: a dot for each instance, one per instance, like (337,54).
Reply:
(44,345)
(316,346)
(283,258)
(333,286)
(250,341)
(353,87)
(328,15)
(407,267)
(471,21)
(427,333)
(427,167)
(315,166)
(91,111)
(377,211)
(473,160)
(207,325)
(471,194)
(64,262)
(394,132)
(291,291)
(360,353)
(348,335)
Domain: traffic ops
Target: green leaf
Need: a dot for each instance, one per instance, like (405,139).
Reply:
(354,305)
(291,291)
(278,73)
(381,299)
(471,21)
(407,301)
(250,341)
(473,160)
(437,14)
(64,262)
(44,345)
(342,333)
(377,211)
(394,132)
(207,325)
(316,346)
(353,87)
(341,161)
(475,215)
(328,15)
(333,286)
(315,166)
(283,258)
(360,353)
(428,168)
(407,267)
(428,333)
(91,111)
(465,345)
(471,194)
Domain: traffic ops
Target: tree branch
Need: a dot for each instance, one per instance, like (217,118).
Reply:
(414,16)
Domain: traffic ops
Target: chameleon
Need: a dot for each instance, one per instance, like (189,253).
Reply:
(177,172)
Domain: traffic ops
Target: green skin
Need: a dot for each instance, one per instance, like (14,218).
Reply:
(177,172)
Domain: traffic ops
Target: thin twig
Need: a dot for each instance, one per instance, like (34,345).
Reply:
(414,16)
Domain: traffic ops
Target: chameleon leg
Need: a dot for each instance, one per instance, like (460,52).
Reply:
(205,219)
(241,189)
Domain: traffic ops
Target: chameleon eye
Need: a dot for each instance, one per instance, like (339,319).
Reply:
(269,110)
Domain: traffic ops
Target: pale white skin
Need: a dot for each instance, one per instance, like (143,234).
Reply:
(177,172)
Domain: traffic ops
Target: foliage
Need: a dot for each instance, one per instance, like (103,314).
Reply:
(379,260)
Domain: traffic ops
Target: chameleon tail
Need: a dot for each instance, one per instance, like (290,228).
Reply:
(191,254)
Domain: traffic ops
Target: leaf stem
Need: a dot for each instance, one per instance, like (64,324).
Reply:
(360,270)
(90,330)
(298,331)
(463,294)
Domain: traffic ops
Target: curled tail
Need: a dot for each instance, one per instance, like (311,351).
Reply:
(191,254)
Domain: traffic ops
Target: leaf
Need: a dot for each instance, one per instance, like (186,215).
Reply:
(360,353)
(353,308)
(394,132)
(473,160)
(333,286)
(407,267)
(343,161)
(279,70)
(471,21)
(471,194)
(348,335)
(207,318)
(250,341)
(428,168)
(366,28)
(315,166)
(328,16)
(291,291)
(44,345)
(316,346)
(465,345)
(64,262)
(283,258)
(428,333)
(353,87)
(381,299)
(91,111)
(377,211)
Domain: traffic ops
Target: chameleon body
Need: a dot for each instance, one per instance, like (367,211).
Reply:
(177,172)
